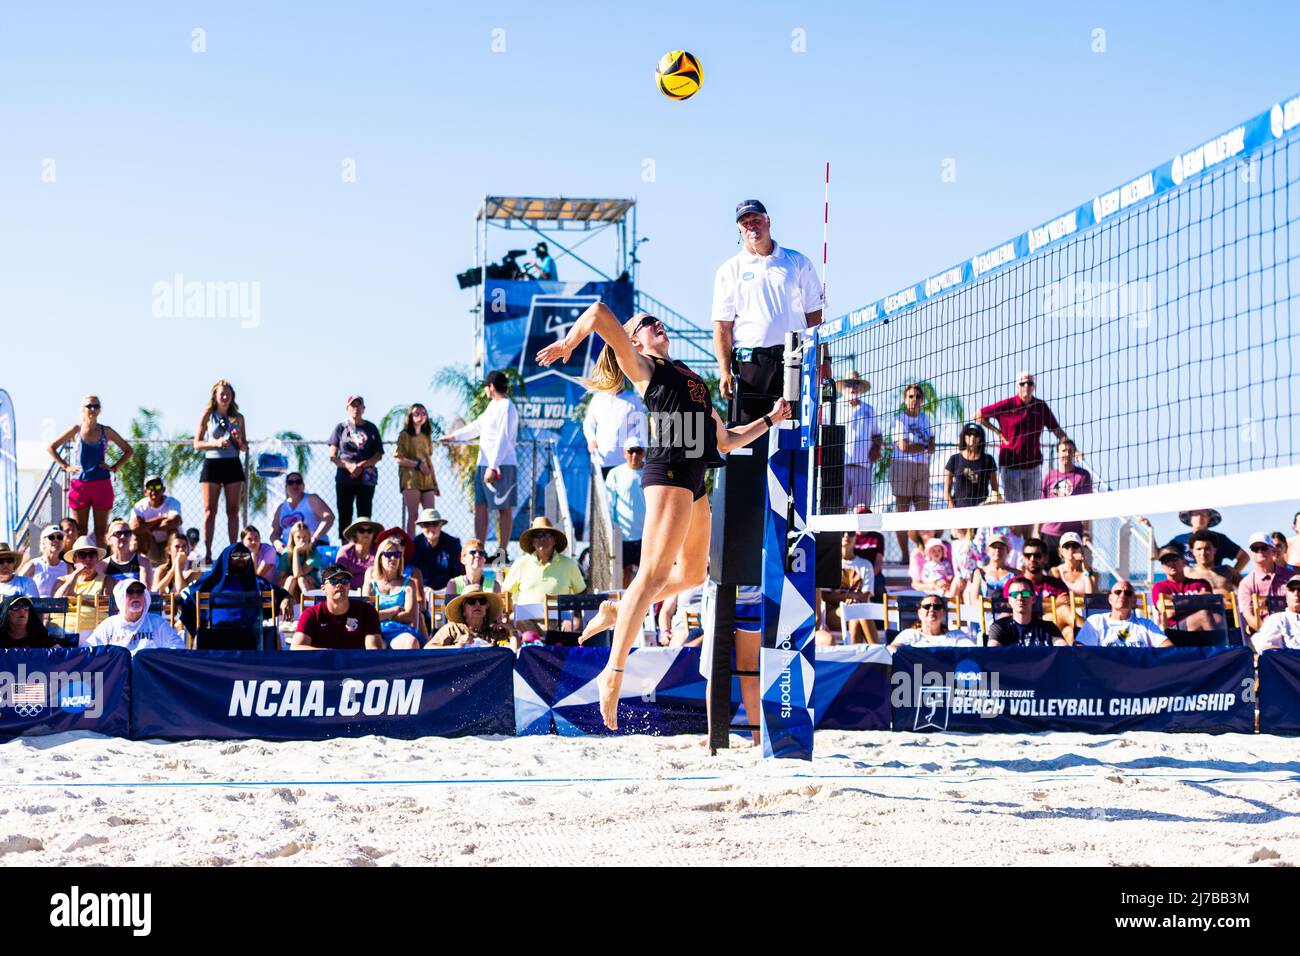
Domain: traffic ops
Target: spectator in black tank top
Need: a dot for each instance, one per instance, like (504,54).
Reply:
(686,439)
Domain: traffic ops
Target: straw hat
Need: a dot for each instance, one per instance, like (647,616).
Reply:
(542,524)
(1186,517)
(854,380)
(360,525)
(83,543)
(429,516)
(8,552)
(456,605)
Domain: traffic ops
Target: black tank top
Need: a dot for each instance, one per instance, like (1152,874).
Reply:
(681,417)
(130,569)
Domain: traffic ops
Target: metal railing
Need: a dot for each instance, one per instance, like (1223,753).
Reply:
(49,492)
(698,341)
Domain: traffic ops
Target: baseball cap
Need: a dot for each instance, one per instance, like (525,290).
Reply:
(746,206)
(997,539)
(154,480)
(634,441)
(1070,537)
(1260,537)
(49,530)
(354,399)
(335,571)
(1172,551)
(1293,583)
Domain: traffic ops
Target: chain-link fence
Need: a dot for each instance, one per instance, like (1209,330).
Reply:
(179,467)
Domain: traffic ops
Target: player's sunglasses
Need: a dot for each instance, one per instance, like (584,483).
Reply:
(645,321)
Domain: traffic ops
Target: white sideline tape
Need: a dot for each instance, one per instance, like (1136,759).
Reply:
(1257,487)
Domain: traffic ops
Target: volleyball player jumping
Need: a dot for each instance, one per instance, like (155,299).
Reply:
(686,440)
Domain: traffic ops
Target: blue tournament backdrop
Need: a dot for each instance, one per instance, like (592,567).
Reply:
(1279,692)
(522,317)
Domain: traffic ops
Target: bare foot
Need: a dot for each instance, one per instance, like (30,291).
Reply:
(604,619)
(609,682)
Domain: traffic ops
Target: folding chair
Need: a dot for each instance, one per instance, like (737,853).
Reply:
(242,637)
(575,604)
(1211,607)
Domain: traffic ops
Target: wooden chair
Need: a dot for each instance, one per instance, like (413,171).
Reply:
(235,601)
(1225,624)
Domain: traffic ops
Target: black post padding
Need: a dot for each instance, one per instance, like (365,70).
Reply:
(719,685)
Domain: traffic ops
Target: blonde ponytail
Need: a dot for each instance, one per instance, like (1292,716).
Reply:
(606,374)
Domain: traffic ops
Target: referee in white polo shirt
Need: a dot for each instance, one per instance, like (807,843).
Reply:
(760,294)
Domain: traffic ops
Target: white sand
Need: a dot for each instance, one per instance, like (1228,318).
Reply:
(877,798)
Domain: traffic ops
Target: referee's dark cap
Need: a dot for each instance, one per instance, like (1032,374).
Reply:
(746,206)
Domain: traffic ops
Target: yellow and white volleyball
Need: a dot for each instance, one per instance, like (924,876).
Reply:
(679,75)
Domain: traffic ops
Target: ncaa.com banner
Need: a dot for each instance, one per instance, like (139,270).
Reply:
(274,695)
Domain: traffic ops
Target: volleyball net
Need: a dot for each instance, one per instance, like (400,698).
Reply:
(1155,322)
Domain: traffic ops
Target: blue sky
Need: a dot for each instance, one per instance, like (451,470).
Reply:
(227,165)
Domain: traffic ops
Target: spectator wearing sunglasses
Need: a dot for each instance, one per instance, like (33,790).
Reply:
(123,560)
(932,628)
(46,569)
(11,582)
(356,449)
(396,596)
(300,506)
(1021,420)
(90,490)
(473,618)
(1021,628)
(340,622)
(156,516)
(1173,561)
(474,557)
(1265,580)
(1120,627)
(134,626)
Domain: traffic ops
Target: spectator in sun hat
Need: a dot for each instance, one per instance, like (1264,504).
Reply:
(473,617)
(20,626)
(358,555)
(1201,520)
(862,440)
(1281,629)
(542,570)
(46,568)
(436,554)
(356,448)
(1120,627)
(762,292)
(134,626)
(11,582)
(1265,580)
(85,581)
(971,473)
(1173,561)
(340,622)
(157,515)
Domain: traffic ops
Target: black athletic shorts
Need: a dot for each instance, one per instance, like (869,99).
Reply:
(221,471)
(676,474)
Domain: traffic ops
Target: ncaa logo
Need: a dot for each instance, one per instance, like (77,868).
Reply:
(967,673)
(76,698)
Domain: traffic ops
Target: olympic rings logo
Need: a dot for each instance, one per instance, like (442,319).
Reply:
(28,710)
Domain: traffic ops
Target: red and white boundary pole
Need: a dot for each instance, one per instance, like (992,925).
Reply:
(826,228)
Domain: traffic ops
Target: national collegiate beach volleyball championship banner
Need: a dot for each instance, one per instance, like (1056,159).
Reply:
(522,317)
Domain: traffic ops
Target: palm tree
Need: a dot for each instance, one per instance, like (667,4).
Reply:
(940,408)
(471,396)
(169,457)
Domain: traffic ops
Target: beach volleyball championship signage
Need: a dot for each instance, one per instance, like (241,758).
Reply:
(522,317)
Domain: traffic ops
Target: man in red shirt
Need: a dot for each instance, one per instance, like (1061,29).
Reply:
(340,622)
(1174,563)
(1020,423)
